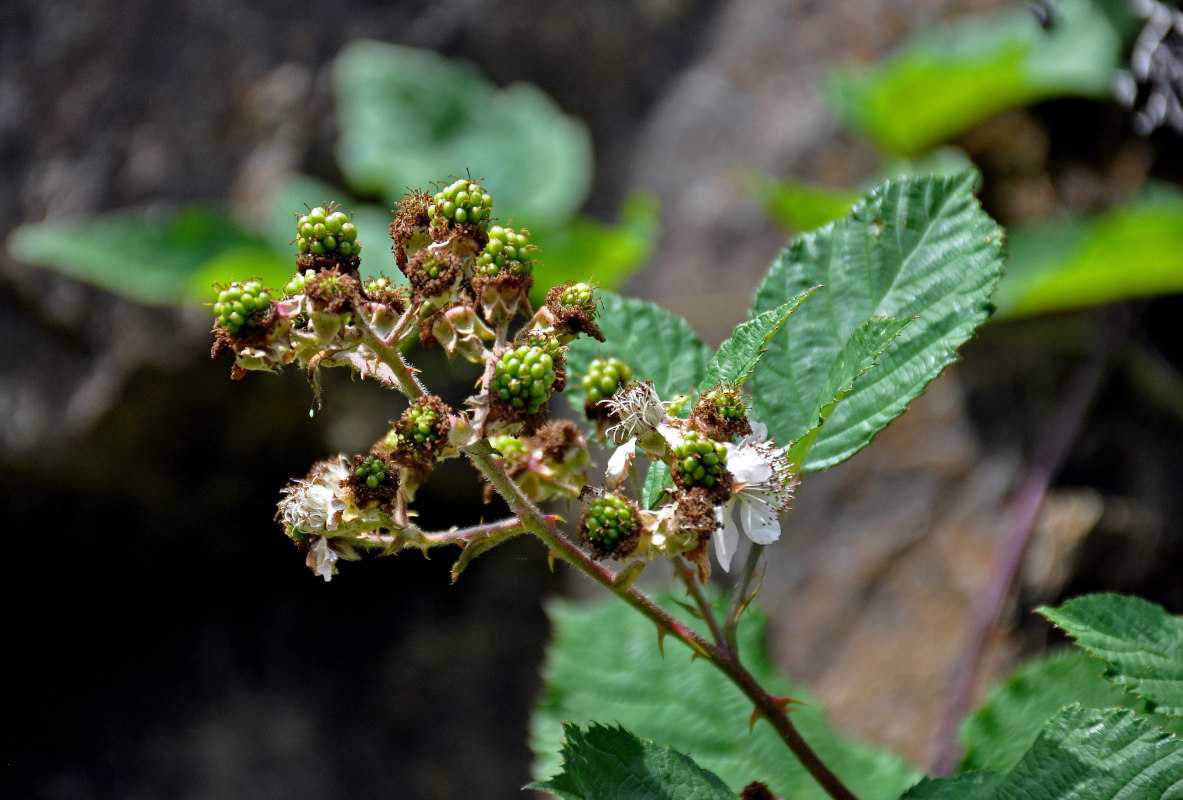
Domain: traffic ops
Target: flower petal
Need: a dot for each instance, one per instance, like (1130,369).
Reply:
(726,539)
(760,521)
(619,463)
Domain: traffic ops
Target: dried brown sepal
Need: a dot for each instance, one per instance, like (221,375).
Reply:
(556,440)
(506,290)
(365,497)
(331,260)
(694,511)
(387,294)
(332,291)
(425,286)
(572,319)
(756,791)
(600,415)
(468,237)
(411,223)
(708,419)
(511,418)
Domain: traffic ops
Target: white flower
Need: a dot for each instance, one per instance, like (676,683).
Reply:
(315,505)
(761,491)
(639,410)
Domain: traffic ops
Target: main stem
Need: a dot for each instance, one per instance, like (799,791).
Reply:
(724,659)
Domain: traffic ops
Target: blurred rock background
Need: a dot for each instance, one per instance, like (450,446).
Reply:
(168,641)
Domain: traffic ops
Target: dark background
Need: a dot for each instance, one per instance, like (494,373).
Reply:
(166,639)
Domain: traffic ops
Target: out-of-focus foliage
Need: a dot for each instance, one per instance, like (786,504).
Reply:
(947,80)
(403,113)
(1132,250)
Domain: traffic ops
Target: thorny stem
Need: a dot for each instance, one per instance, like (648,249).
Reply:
(1020,513)
(704,608)
(740,597)
(390,355)
(463,536)
(725,660)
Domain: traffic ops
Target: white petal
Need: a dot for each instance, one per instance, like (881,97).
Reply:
(759,431)
(760,521)
(746,465)
(619,464)
(726,540)
(322,560)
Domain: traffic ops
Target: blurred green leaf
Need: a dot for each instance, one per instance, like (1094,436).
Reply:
(604,664)
(409,116)
(1133,250)
(238,264)
(613,762)
(147,255)
(585,249)
(947,80)
(801,206)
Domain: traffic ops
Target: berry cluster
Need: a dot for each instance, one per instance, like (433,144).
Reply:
(610,526)
(463,201)
(699,461)
(578,294)
(372,471)
(323,230)
(507,250)
(728,404)
(604,377)
(422,425)
(240,306)
(523,377)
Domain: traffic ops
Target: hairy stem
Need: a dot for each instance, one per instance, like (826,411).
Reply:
(725,660)
(740,597)
(686,573)
(390,355)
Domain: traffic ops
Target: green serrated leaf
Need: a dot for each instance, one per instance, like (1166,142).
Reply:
(585,249)
(918,249)
(1139,641)
(998,733)
(1069,264)
(604,664)
(951,79)
(658,345)
(737,357)
(409,116)
(611,762)
(1081,754)
(979,785)
(146,255)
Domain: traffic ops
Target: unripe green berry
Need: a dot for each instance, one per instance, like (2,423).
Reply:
(462,201)
(610,525)
(324,230)
(579,294)
(507,250)
(508,446)
(524,377)
(241,305)
(604,377)
(699,461)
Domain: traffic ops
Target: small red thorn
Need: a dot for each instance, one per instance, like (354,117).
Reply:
(782,703)
(661,632)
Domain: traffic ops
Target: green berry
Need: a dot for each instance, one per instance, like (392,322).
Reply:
(699,461)
(523,378)
(372,472)
(241,306)
(507,250)
(604,377)
(423,425)
(729,404)
(325,230)
(611,520)
(298,282)
(462,201)
(578,294)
